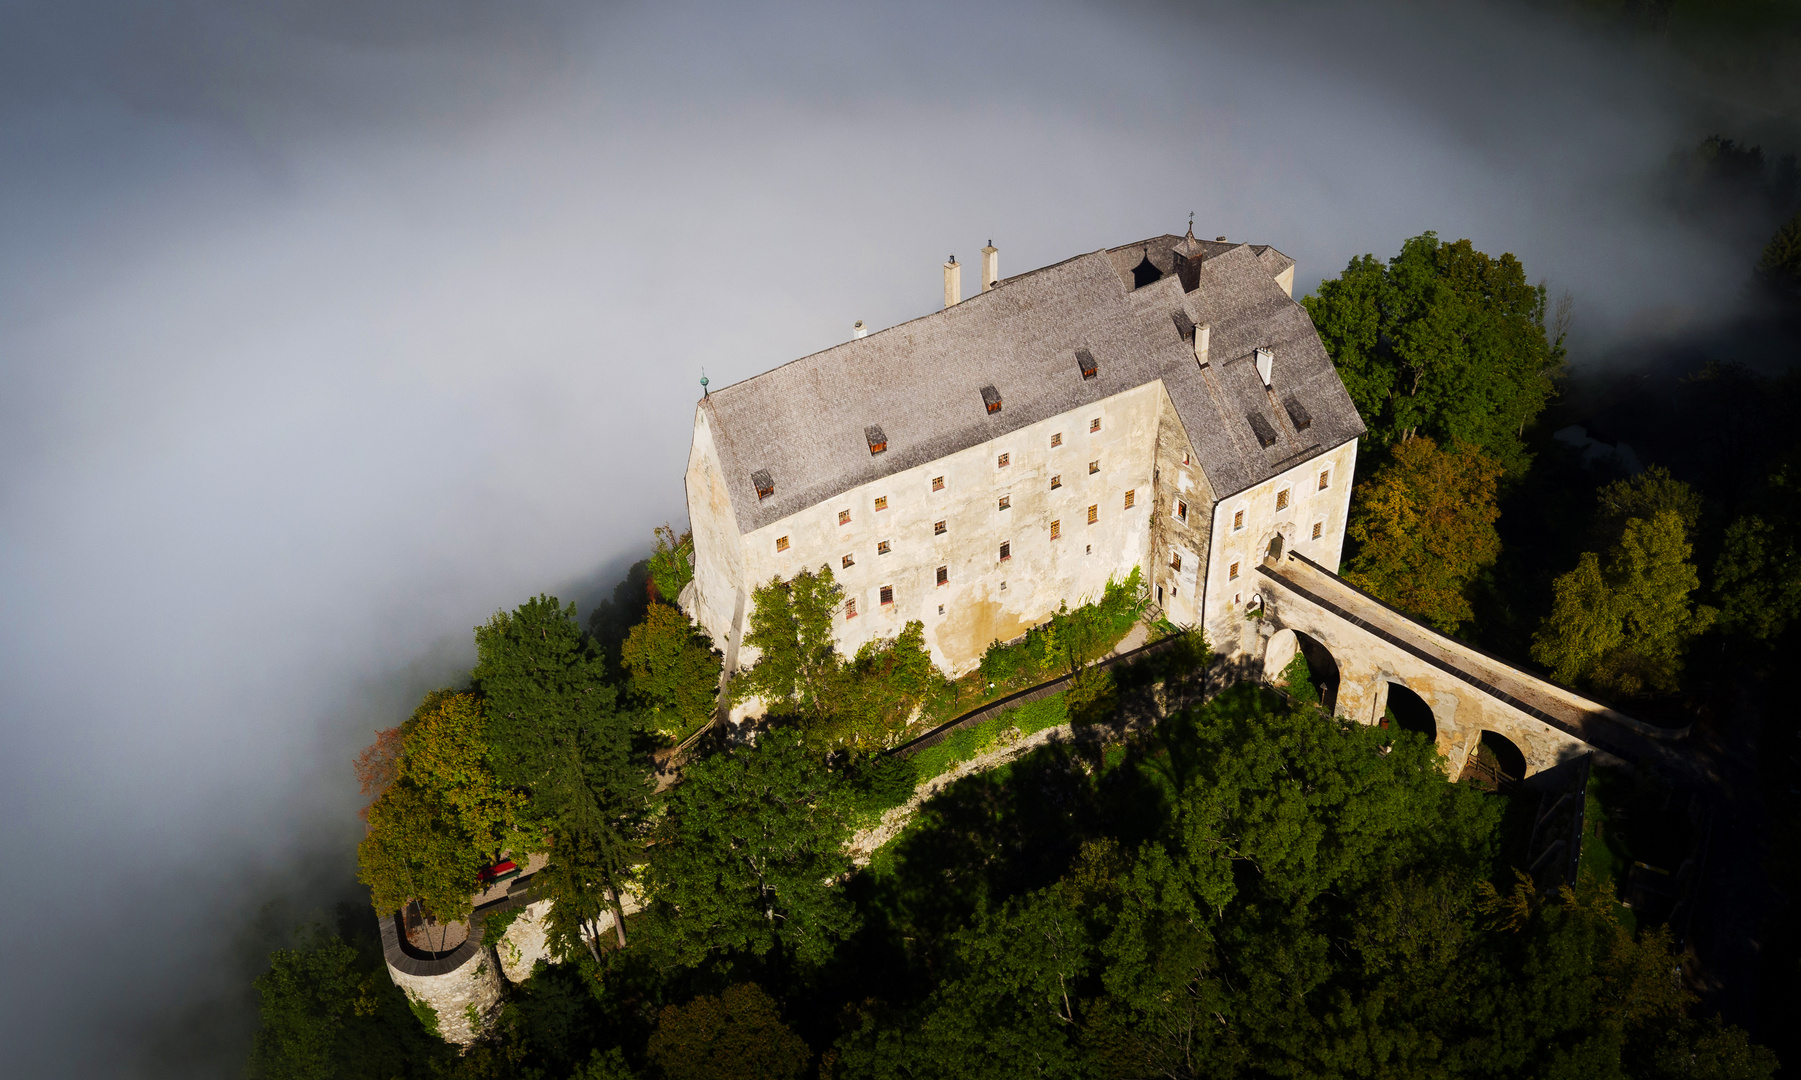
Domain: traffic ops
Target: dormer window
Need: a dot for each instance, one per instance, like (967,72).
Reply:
(1297,413)
(992,399)
(878,441)
(1260,426)
(1085,360)
(764,483)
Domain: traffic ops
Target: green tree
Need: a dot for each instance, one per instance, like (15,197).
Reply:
(329,1009)
(1624,627)
(749,857)
(672,563)
(1442,341)
(1779,268)
(798,669)
(674,668)
(1424,526)
(738,1035)
(305,997)
(878,692)
(556,729)
(1758,573)
(444,817)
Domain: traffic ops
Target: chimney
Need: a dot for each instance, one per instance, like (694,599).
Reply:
(857,329)
(1266,359)
(953,282)
(991,266)
(1203,339)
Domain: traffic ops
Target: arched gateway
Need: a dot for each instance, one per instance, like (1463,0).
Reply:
(1385,668)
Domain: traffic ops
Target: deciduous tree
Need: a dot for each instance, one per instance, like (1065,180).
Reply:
(749,857)
(1424,526)
(444,817)
(1442,341)
(1624,625)
(798,669)
(738,1035)
(673,668)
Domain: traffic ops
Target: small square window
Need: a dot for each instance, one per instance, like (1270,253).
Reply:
(881,547)
(850,609)
(1001,462)
(1093,467)
(1003,586)
(1282,499)
(1088,549)
(848,562)
(844,517)
(940,609)
(887,594)
(1325,480)
(944,578)
(1056,530)
(781,543)
(937,528)
(1181,510)
(1056,482)
(1057,439)
(1094,425)
(937,483)
(1238,520)
(1131,496)
(1175,562)
(1318,528)
(1006,501)
(1094,514)
(1184,457)
(1232,574)
(881,502)
(1006,550)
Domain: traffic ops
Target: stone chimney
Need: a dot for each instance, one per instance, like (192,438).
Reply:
(991,266)
(858,330)
(1203,340)
(1266,361)
(953,282)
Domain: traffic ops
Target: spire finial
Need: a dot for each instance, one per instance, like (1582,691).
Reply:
(704,392)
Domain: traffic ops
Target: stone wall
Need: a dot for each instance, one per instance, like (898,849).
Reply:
(462,988)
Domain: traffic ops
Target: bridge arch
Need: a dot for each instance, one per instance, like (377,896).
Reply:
(1408,711)
(1322,667)
(1495,761)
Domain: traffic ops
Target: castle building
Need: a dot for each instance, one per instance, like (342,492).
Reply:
(1164,405)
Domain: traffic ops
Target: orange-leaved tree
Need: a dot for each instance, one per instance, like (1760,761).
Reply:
(1424,525)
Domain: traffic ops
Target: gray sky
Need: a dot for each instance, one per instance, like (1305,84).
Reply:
(324,333)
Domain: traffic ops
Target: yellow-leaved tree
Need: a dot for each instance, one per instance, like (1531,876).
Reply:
(1424,525)
(444,818)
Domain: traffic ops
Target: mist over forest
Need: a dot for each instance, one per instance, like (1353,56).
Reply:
(328,330)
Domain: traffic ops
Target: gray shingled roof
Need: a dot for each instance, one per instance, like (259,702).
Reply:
(805,422)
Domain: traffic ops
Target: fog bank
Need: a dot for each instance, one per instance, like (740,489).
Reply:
(325,331)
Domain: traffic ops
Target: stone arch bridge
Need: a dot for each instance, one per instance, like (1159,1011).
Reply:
(1374,664)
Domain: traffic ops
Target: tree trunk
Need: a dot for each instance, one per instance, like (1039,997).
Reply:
(618,912)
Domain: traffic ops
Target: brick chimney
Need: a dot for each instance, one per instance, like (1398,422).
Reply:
(953,282)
